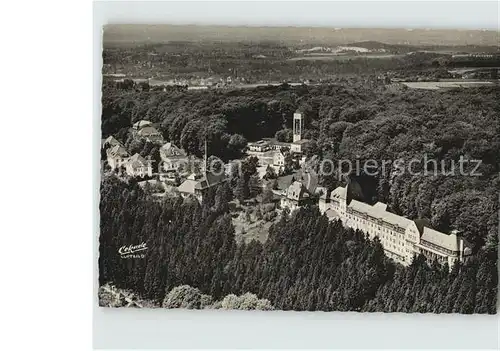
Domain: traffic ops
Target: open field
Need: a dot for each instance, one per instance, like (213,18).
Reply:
(258,230)
(336,57)
(446,85)
(251,228)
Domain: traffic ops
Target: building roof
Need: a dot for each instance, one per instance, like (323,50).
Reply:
(200,181)
(187,186)
(361,207)
(447,241)
(323,191)
(301,141)
(339,193)
(147,131)
(110,141)
(394,219)
(379,210)
(141,124)
(117,151)
(285,181)
(273,141)
(258,143)
(295,191)
(209,179)
(137,161)
(279,153)
(262,170)
(310,180)
(380,206)
(170,150)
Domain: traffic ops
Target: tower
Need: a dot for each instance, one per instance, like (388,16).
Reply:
(298,124)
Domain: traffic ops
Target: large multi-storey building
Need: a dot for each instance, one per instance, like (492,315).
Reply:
(401,238)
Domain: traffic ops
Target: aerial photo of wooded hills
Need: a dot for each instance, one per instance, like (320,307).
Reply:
(236,94)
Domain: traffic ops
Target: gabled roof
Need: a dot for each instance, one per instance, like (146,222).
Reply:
(117,151)
(360,207)
(310,181)
(273,141)
(285,181)
(394,219)
(147,131)
(279,153)
(200,181)
(380,206)
(209,179)
(447,241)
(379,210)
(258,143)
(295,191)
(110,141)
(141,124)
(137,161)
(187,186)
(339,193)
(170,150)
(262,171)
(301,141)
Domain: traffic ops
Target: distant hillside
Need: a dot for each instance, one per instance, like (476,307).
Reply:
(133,34)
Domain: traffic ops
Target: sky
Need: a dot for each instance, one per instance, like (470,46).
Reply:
(401,14)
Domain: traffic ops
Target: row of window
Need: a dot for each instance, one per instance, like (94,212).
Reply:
(399,234)
(389,239)
(439,248)
(376,222)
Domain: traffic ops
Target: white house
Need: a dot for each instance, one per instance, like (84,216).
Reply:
(144,130)
(150,133)
(138,166)
(116,156)
(259,146)
(173,158)
(295,196)
(279,159)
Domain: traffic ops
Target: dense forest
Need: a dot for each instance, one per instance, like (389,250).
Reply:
(355,114)
(307,263)
(357,119)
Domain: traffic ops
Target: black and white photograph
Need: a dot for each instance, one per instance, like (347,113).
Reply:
(294,168)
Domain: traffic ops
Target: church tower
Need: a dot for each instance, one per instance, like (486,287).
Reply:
(298,124)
